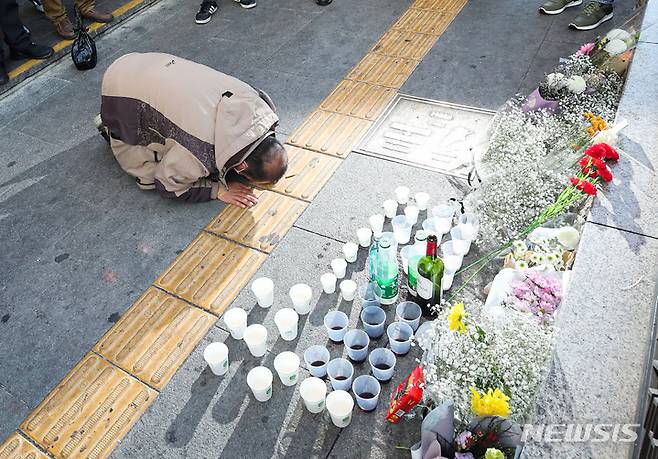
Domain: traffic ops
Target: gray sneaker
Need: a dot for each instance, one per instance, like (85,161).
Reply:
(592,16)
(558,6)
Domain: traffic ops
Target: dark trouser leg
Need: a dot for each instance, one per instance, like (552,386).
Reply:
(16,34)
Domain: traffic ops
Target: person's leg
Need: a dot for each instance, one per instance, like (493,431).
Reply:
(247,4)
(140,162)
(55,11)
(594,14)
(17,36)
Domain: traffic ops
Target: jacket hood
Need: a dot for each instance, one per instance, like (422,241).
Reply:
(242,120)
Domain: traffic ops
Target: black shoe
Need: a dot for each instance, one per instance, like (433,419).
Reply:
(31,51)
(246,4)
(206,10)
(4,77)
(323,2)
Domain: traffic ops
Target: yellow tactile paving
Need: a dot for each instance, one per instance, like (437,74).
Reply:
(211,272)
(329,133)
(405,43)
(262,226)
(307,173)
(424,21)
(17,447)
(383,70)
(358,99)
(87,414)
(453,6)
(155,336)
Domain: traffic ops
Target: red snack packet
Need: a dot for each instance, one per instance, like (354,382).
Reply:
(407,395)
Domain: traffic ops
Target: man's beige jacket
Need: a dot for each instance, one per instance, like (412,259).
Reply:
(189,124)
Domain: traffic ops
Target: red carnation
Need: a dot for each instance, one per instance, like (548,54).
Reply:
(584,186)
(585,163)
(609,152)
(604,173)
(596,151)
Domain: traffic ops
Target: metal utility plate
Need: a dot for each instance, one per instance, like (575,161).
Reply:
(431,134)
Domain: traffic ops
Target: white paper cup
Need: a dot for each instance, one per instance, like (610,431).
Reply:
(390,208)
(301,295)
(339,266)
(367,295)
(446,281)
(340,405)
(401,229)
(452,263)
(336,323)
(341,373)
(448,249)
(236,321)
(443,211)
(404,255)
(256,338)
(328,281)
(377,224)
(259,380)
(286,321)
(350,250)
(286,365)
(470,218)
(364,235)
(421,200)
(216,355)
(467,231)
(348,289)
(402,194)
(316,358)
(409,312)
(314,392)
(430,227)
(263,288)
(460,245)
(366,388)
(411,212)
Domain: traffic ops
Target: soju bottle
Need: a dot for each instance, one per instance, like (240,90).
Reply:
(372,258)
(419,249)
(387,272)
(430,273)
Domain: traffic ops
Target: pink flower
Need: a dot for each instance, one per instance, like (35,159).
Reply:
(586,49)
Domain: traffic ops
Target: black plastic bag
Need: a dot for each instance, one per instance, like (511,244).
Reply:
(83,51)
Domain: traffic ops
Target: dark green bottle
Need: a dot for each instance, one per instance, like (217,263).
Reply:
(430,274)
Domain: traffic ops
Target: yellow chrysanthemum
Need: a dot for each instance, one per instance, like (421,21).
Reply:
(456,318)
(492,403)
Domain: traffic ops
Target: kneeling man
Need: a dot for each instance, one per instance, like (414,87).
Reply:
(189,131)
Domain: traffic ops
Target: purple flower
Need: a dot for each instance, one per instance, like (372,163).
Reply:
(464,439)
(464,456)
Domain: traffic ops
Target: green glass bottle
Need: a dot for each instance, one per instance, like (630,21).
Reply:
(430,274)
(417,252)
(386,275)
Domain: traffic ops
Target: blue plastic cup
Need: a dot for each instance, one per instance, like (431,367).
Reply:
(340,372)
(356,343)
(399,337)
(409,312)
(382,363)
(336,323)
(373,318)
(366,389)
(367,295)
(316,358)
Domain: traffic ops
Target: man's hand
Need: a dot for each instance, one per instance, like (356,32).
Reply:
(237,194)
